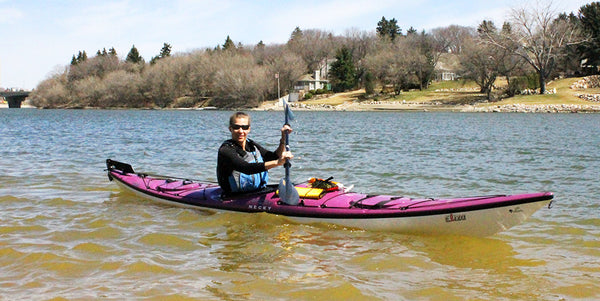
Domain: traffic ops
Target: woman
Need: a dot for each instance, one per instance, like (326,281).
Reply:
(242,164)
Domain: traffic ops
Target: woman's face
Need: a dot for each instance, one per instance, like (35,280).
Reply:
(239,130)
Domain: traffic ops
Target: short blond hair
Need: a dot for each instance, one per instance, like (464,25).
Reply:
(237,115)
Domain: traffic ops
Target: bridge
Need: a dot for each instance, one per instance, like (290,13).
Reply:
(14,98)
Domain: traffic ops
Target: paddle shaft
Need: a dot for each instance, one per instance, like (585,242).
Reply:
(287,145)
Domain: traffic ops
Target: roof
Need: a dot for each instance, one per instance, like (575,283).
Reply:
(310,78)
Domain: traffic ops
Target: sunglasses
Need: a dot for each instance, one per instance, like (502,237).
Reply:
(244,127)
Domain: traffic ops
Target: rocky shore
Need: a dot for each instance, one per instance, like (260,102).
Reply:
(546,108)
(590,103)
(417,106)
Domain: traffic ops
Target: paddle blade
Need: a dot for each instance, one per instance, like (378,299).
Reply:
(288,112)
(288,193)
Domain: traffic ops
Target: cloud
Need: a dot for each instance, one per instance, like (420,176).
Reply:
(10,15)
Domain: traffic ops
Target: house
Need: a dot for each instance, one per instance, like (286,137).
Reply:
(309,82)
(447,67)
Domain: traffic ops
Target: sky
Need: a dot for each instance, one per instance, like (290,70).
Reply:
(39,38)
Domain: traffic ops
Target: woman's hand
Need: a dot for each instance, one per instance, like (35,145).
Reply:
(286,155)
(286,129)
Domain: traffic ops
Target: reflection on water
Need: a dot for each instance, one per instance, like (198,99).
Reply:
(67,232)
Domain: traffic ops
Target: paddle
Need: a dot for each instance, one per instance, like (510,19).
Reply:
(287,192)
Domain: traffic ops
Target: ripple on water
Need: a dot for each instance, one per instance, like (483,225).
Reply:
(162,240)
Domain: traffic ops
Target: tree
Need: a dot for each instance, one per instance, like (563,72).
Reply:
(479,63)
(296,35)
(452,37)
(539,38)
(369,83)
(343,73)
(503,59)
(229,45)
(388,29)
(165,51)
(390,65)
(102,53)
(112,52)
(314,46)
(134,56)
(426,55)
(589,18)
(81,57)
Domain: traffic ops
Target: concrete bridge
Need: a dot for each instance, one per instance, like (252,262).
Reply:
(14,98)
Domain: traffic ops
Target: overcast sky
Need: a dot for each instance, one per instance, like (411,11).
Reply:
(40,37)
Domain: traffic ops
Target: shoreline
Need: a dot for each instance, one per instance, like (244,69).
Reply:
(355,106)
(402,107)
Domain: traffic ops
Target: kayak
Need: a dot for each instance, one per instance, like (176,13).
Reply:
(470,216)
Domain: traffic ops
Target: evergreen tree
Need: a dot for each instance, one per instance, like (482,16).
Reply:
(296,35)
(388,28)
(589,17)
(81,56)
(101,53)
(343,72)
(369,83)
(165,51)
(228,44)
(134,56)
(112,52)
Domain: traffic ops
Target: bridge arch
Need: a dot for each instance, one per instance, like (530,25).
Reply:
(14,99)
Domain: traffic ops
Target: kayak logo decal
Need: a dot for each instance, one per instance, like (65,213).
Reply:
(455,218)
(260,207)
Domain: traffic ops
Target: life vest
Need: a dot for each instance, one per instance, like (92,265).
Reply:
(241,182)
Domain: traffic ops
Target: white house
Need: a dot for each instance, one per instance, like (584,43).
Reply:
(310,82)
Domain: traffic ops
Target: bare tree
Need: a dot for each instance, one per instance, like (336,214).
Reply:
(313,45)
(289,66)
(51,92)
(452,38)
(122,89)
(239,82)
(360,42)
(426,52)
(390,64)
(539,38)
(480,62)
(166,80)
(203,67)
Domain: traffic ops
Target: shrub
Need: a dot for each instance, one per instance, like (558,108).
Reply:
(516,85)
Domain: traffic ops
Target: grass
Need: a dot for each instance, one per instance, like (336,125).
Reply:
(564,95)
(466,92)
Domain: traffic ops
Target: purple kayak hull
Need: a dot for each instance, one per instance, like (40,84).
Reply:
(473,216)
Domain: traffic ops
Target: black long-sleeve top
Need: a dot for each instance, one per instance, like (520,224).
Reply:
(231,157)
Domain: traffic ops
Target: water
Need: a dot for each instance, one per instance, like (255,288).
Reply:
(67,232)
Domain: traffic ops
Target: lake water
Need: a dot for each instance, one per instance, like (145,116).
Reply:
(67,232)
